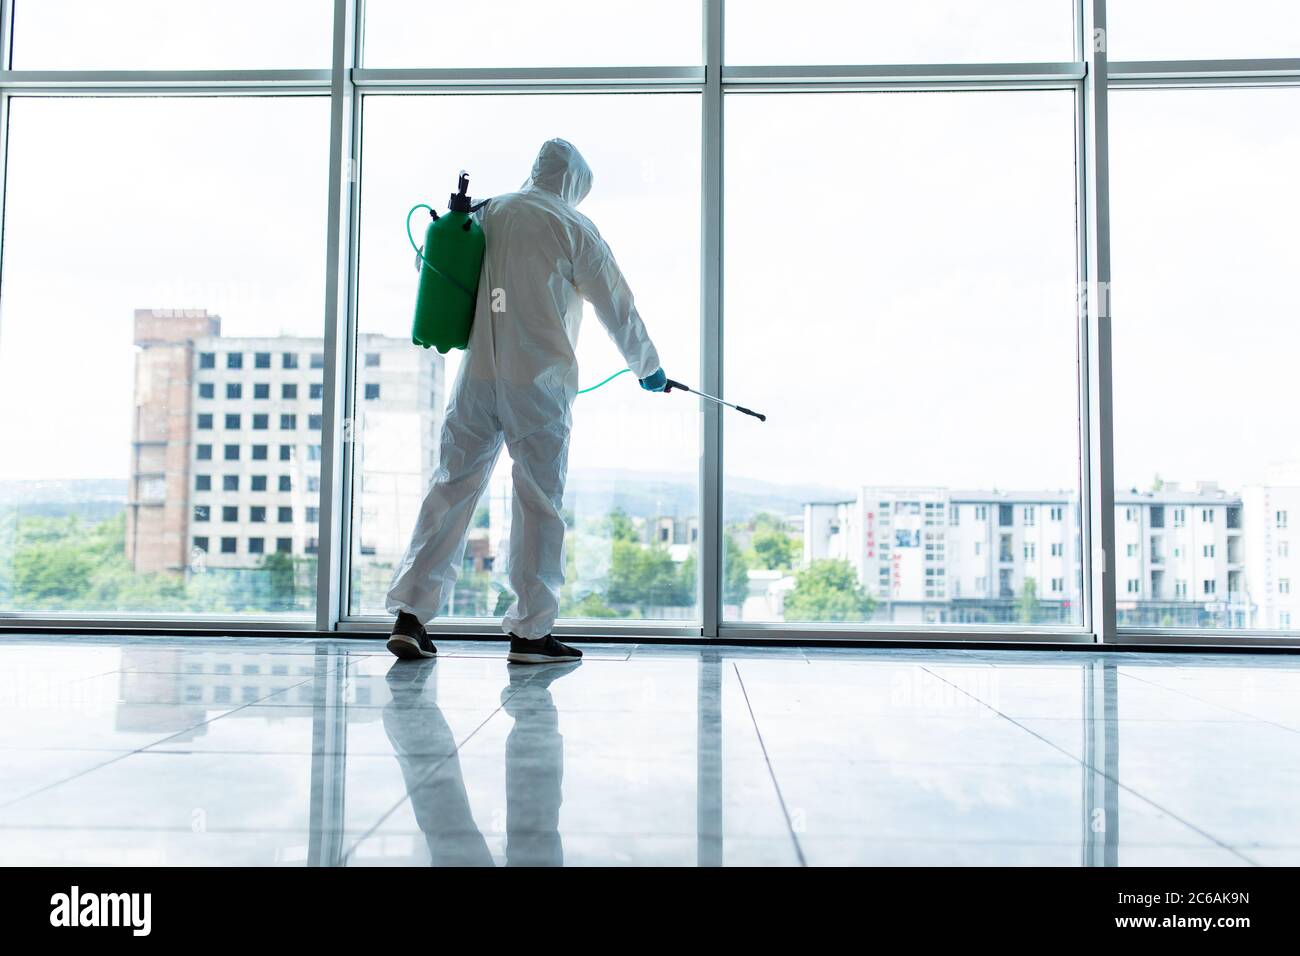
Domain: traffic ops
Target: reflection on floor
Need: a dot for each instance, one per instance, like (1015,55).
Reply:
(287,752)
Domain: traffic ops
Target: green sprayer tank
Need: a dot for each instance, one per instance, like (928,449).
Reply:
(450,263)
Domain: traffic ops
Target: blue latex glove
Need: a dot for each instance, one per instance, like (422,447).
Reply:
(656,382)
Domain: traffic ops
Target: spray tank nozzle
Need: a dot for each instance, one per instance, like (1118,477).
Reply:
(460,201)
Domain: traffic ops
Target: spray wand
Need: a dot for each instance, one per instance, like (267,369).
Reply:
(680,387)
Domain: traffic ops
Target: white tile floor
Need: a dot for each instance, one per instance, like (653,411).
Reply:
(290,752)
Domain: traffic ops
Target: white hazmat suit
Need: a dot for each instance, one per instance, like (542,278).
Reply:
(517,383)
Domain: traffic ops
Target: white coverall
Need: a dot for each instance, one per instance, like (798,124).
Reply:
(517,383)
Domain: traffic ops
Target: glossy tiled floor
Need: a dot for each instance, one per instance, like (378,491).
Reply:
(287,752)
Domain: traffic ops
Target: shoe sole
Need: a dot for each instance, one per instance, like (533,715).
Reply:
(519,657)
(408,648)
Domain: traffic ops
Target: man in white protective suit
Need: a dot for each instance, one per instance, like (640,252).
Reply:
(517,384)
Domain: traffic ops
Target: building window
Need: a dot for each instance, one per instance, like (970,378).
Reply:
(234,390)
(207,360)
(288,391)
(1284,620)
(1208,586)
(286,453)
(259,482)
(1058,585)
(289,360)
(234,360)
(259,452)
(1131,550)
(1057,513)
(261,391)
(1180,517)
(372,390)
(261,422)
(372,360)
(313,483)
(313,452)
(205,421)
(313,515)
(1028,515)
(202,482)
(232,453)
(954,515)
(202,513)
(1006,516)
(286,483)
(283,545)
(227,547)
(317,359)
(1207,551)
(232,422)
(1157,515)
(1134,586)
(257,514)
(284,514)
(257,545)
(207,390)
(314,422)
(203,452)
(1283,585)
(229,482)
(315,390)
(261,360)
(1031,552)
(1180,589)
(1283,549)
(288,422)
(1280,519)
(229,513)
(201,544)
(1207,516)
(1058,549)
(1130,514)
(312,546)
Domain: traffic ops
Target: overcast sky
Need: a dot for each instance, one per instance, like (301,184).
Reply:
(899,267)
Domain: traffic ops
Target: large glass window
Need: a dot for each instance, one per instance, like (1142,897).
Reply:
(152,248)
(171,34)
(632,497)
(1207,455)
(1202,29)
(773,32)
(900,300)
(524,33)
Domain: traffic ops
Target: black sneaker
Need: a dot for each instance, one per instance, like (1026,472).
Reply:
(544,650)
(409,640)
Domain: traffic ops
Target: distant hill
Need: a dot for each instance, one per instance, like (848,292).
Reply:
(652,494)
(590,491)
(93,498)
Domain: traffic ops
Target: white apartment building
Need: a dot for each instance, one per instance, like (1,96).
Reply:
(930,555)
(226,444)
(1271,514)
(257,423)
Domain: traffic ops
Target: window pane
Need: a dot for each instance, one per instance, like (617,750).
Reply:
(1207,455)
(911,332)
(172,34)
(1202,29)
(440,33)
(193,230)
(775,32)
(632,496)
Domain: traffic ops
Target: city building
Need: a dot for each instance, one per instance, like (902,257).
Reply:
(225,460)
(1185,557)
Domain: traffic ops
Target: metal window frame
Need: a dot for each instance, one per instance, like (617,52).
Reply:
(347,81)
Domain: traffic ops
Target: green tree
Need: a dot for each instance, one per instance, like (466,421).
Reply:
(828,590)
(774,550)
(1027,607)
(735,573)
